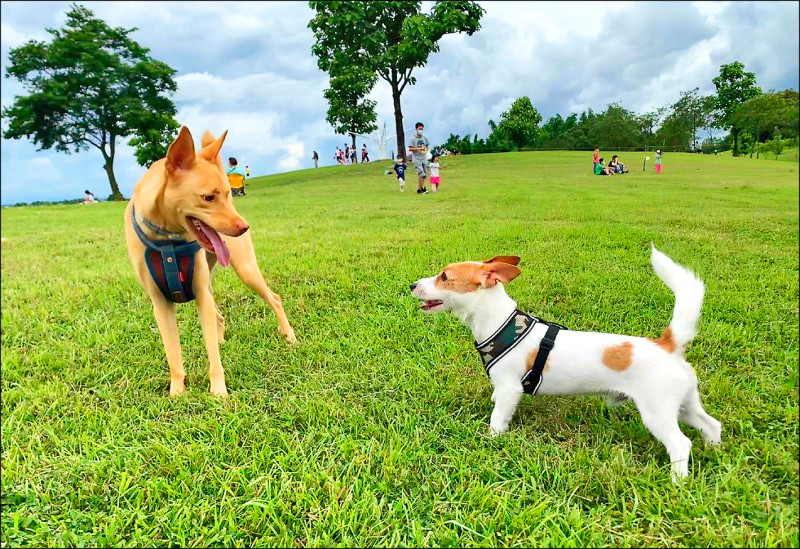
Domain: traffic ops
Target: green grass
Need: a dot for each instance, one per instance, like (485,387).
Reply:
(372,431)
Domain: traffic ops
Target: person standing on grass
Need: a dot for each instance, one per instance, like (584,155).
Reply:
(434,166)
(315,158)
(419,156)
(658,161)
(595,157)
(247,172)
(400,171)
(364,154)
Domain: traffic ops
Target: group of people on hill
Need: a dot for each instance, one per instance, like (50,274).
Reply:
(615,166)
(418,147)
(346,156)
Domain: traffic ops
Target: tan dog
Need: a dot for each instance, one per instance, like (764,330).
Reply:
(186,196)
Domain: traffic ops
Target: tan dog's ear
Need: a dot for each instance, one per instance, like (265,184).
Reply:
(510,259)
(180,155)
(495,272)
(208,139)
(210,147)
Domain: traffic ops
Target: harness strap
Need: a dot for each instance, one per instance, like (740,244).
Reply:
(509,335)
(171,264)
(533,377)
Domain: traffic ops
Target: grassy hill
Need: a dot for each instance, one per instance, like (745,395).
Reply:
(373,429)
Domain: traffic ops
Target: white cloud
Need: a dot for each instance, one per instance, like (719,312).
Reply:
(247,67)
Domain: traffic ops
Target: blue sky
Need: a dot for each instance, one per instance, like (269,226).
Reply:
(247,67)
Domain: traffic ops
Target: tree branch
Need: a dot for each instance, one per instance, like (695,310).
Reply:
(405,78)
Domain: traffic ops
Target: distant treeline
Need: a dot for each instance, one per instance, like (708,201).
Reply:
(755,122)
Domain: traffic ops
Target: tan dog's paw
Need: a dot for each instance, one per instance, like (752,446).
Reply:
(218,389)
(176,388)
(290,337)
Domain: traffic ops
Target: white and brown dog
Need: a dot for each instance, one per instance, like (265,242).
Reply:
(653,373)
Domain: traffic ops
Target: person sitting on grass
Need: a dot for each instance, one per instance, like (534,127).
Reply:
(617,166)
(90,199)
(236,178)
(600,169)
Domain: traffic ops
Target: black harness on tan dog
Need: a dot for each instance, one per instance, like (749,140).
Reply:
(508,336)
(170,262)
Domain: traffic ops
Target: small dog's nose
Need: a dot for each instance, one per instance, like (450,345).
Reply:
(413,285)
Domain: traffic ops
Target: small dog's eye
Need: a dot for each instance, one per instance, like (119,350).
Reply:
(444,276)
(209,198)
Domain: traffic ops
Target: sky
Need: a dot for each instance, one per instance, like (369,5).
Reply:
(247,67)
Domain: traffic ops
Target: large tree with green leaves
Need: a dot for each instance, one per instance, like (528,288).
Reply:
(519,124)
(768,114)
(349,110)
(389,39)
(91,86)
(734,87)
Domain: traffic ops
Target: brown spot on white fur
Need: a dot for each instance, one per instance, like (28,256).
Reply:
(531,358)
(618,357)
(460,277)
(510,259)
(666,341)
(469,276)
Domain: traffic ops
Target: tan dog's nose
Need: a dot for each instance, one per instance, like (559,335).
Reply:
(241,227)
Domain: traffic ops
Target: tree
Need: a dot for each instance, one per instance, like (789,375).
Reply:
(734,87)
(90,86)
(520,124)
(688,112)
(767,114)
(648,122)
(615,128)
(386,38)
(348,109)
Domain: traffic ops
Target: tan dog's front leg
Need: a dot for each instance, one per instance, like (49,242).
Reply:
(208,321)
(164,311)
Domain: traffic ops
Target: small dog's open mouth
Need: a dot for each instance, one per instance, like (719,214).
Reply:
(210,240)
(428,305)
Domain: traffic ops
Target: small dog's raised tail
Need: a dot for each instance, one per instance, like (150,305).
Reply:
(688,290)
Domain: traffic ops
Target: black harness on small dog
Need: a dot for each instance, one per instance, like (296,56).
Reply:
(170,262)
(508,336)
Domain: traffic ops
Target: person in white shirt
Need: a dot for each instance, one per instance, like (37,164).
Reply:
(434,167)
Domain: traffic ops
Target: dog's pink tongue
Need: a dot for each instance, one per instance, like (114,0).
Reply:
(222,251)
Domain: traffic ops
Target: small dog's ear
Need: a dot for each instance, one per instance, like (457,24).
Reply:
(212,148)
(180,155)
(510,259)
(498,272)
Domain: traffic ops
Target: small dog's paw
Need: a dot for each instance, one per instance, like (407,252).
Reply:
(290,337)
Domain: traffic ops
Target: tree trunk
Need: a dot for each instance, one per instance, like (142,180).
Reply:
(353,147)
(398,116)
(735,132)
(109,168)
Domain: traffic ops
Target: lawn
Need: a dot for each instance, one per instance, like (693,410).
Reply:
(372,430)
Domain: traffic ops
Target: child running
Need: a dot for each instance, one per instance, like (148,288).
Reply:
(434,166)
(400,170)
